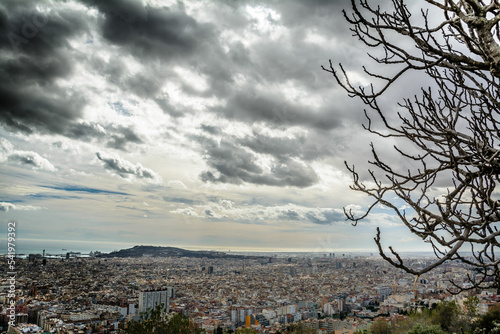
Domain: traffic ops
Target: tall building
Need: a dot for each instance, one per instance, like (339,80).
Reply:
(150,299)
(340,305)
(171,292)
(384,292)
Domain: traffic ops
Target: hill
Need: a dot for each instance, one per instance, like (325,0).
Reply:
(159,251)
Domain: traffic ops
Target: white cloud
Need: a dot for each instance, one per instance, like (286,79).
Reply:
(126,169)
(28,158)
(176,184)
(227,209)
(189,211)
(6,206)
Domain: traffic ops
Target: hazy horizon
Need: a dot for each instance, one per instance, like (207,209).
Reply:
(56,247)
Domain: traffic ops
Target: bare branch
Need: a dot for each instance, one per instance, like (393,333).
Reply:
(451,138)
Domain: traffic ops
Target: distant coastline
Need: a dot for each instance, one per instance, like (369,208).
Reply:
(83,247)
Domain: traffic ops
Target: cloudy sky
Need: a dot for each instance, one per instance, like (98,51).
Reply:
(197,124)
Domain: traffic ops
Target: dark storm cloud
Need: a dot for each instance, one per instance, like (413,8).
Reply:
(258,106)
(84,131)
(290,60)
(240,55)
(146,31)
(294,59)
(34,53)
(159,38)
(210,129)
(123,137)
(146,82)
(281,148)
(233,159)
(293,173)
(117,137)
(295,56)
(235,164)
(231,163)
(168,108)
(305,147)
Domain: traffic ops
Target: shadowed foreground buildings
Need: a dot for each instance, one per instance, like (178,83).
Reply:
(149,299)
(102,295)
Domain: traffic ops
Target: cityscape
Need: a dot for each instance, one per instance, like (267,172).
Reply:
(329,292)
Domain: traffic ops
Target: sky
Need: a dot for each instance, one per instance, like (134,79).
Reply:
(195,124)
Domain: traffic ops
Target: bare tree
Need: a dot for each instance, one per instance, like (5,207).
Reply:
(455,126)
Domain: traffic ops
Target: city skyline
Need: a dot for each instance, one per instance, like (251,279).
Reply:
(206,125)
(322,293)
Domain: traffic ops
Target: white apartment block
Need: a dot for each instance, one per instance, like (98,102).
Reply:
(150,299)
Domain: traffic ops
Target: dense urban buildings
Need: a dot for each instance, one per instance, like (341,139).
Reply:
(327,293)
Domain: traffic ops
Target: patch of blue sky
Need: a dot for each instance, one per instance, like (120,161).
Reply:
(120,109)
(50,196)
(85,190)
(9,200)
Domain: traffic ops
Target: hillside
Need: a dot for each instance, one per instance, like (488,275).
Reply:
(159,251)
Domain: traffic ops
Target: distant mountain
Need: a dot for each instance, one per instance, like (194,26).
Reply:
(158,251)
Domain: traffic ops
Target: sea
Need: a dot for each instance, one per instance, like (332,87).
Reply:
(61,247)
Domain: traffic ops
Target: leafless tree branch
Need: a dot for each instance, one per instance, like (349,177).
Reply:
(452,187)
